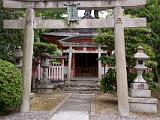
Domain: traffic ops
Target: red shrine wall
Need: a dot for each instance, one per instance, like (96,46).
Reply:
(81,40)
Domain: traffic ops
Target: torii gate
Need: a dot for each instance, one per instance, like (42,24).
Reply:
(118,21)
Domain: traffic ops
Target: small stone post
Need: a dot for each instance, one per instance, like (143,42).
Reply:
(18,57)
(140,97)
(121,72)
(27,59)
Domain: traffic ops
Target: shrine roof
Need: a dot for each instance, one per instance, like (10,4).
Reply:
(78,36)
(73,39)
(65,34)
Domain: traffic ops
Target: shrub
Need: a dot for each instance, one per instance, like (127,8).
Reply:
(108,82)
(40,47)
(153,86)
(130,77)
(10,86)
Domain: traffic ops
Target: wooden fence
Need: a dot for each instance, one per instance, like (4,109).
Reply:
(55,72)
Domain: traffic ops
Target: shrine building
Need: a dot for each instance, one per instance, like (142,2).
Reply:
(81,52)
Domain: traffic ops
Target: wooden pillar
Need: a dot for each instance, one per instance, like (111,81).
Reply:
(121,73)
(62,69)
(99,63)
(73,65)
(69,64)
(27,59)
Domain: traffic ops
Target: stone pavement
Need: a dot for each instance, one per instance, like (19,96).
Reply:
(76,107)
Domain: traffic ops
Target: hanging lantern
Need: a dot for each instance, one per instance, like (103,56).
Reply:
(72,11)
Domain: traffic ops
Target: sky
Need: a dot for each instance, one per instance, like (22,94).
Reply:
(102,14)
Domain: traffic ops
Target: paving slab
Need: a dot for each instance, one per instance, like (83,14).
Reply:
(76,107)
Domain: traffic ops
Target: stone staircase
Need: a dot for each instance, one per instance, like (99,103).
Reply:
(85,85)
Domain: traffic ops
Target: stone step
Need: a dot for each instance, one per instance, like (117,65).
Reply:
(83,85)
(91,85)
(85,79)
(83,90)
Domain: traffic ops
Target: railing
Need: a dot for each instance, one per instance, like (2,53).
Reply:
(55,72)
(86,71)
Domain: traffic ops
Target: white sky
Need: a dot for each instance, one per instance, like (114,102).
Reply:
(102,14)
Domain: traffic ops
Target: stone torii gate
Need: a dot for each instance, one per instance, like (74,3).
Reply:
(118,21)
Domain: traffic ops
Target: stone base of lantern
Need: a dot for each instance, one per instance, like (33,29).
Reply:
(45,87)
(142,86)
(44,90)
(140,99)
(148,105)
(45,84)
(137,93)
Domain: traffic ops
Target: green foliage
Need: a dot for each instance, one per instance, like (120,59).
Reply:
(107,60)
(47,14)
(133,38)
(153,86)
(130,77)
(108,82)
(40,47)
(51,14)
(148,37)
(152,13)
(151,64)
(106,38)
(10,86)
(9,39)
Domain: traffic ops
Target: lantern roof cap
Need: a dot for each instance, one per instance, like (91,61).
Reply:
(140,54)
(45,55)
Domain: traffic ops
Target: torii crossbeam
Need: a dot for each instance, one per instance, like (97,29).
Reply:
(118,21)
(84,4)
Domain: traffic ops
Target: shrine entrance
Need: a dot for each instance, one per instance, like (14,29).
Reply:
(86,65)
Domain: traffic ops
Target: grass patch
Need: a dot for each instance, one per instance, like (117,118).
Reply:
(46,102)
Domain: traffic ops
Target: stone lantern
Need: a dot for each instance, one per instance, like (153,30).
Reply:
(18,57)
(140,57)
(140,97)
(45,58)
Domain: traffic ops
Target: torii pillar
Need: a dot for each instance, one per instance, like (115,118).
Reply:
(27,59)
(121,72)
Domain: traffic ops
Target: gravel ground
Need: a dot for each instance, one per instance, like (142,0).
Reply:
(118,117)
(27,116)
(41,107)
(46,116)
(106,108)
